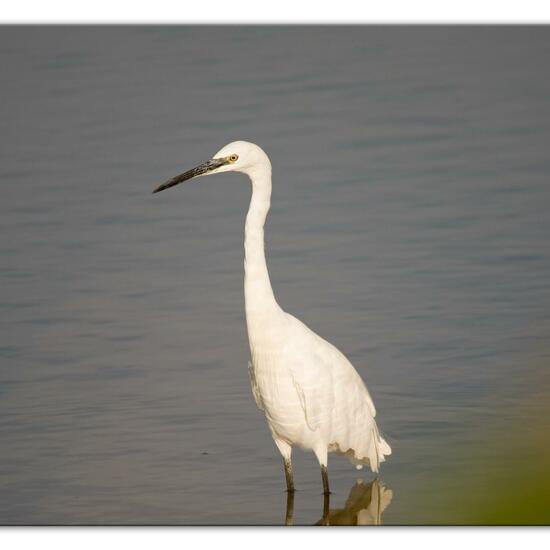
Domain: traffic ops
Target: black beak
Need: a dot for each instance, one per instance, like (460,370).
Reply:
(200,170)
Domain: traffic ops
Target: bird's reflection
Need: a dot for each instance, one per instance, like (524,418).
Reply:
(364,506)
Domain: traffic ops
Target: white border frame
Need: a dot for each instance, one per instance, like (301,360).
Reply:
(281,11)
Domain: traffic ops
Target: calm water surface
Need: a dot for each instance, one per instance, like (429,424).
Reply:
(409,227)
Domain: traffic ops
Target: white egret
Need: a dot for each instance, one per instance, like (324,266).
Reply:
(310,393)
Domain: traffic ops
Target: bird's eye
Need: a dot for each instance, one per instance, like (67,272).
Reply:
(233,158)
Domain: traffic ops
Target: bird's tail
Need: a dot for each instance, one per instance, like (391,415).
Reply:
(377,450)
(382,448)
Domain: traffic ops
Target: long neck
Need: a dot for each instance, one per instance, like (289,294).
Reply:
(259,298)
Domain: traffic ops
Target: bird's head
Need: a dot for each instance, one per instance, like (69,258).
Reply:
(238,156)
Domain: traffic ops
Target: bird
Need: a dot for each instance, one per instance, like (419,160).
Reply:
(311,395)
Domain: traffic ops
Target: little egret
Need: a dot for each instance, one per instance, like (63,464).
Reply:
(310,393)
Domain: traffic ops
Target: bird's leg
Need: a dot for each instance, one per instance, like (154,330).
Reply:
(289,508)
(321,454)
(326,505)
(286,450)
(326,496)
(324,475)
(289,475)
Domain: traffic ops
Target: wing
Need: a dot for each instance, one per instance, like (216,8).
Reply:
(313,388)
(328,386)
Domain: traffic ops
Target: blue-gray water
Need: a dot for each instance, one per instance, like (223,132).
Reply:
(410,227)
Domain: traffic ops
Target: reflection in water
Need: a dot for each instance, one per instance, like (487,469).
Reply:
(289,507)
(364,506)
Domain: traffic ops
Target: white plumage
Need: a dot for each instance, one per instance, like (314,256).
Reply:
(309,392)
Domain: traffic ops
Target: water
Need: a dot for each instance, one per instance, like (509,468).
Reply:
(409,227)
